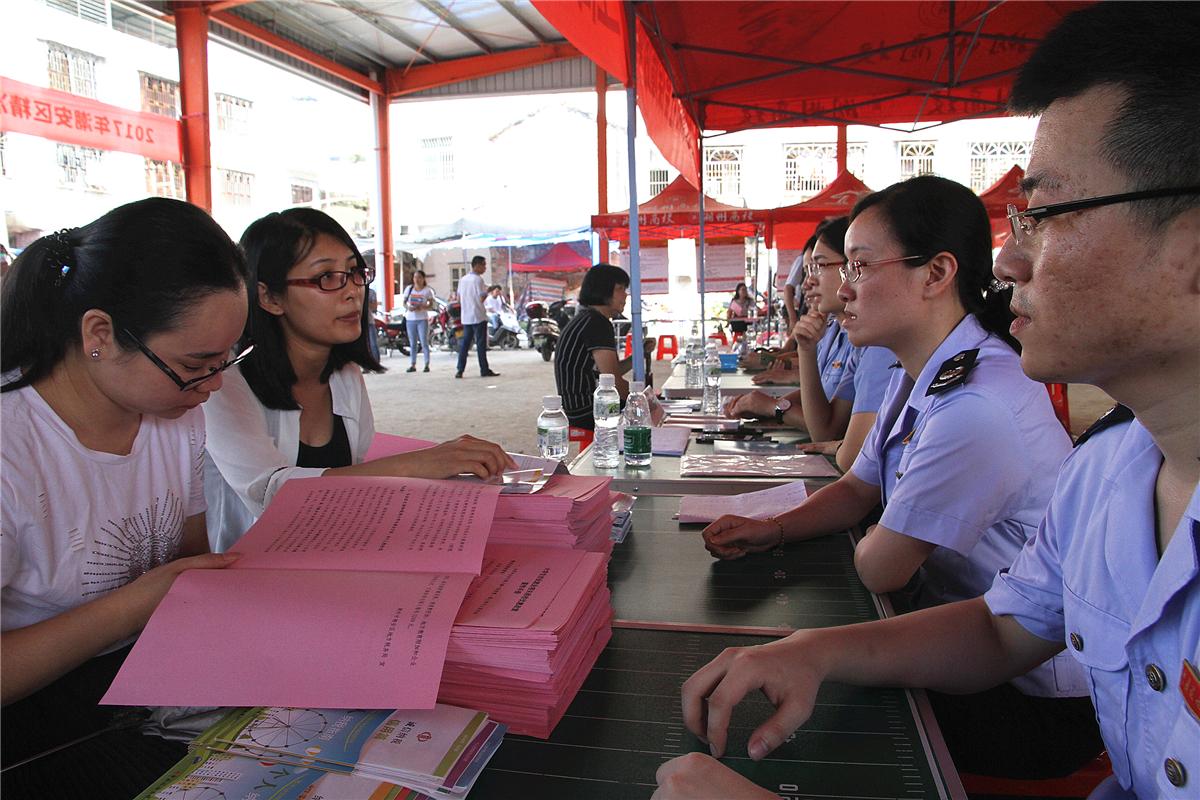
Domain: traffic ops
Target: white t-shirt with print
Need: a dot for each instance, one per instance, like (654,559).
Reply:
(76,523)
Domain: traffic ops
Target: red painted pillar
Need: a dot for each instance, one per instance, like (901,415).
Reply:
(841,149)
(384,243)
(191,38)
(602,153)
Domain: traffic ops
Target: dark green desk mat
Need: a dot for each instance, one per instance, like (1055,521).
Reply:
(661,576)
(627,720)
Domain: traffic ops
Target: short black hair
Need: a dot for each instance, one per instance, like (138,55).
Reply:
(478,260)
(833,233)
(1149,51)
(273,245)
(599,282)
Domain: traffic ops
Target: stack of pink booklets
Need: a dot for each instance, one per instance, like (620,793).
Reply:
(528,633)
(566,511)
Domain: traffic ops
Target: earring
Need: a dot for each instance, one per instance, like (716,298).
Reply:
(95,354)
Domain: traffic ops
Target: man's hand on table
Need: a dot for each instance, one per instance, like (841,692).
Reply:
(697,776)
(756,404)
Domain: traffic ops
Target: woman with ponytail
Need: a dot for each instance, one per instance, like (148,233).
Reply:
(963,456)
(113,334)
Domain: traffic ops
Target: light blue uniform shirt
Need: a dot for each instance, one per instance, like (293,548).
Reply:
(1092,578)
(866,378)
(970,470)
(833,356)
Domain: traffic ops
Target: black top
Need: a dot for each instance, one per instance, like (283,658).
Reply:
(334,453)
(574,370)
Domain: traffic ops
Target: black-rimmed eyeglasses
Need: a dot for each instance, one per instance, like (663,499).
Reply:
(1024,224)
(193,382)
(333,280)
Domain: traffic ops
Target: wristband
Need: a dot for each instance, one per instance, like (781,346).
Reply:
(779,525)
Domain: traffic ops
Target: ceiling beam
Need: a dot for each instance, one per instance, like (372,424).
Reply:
(401,82)
(388,28)
(512,9)
(457,24)
(294,50)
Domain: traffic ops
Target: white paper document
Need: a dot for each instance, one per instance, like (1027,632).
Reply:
(756,505)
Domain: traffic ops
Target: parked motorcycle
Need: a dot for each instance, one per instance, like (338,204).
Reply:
(450,320)
(507,335)
(543,331)
(391,335)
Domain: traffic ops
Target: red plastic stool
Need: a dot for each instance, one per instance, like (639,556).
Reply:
(628,345)
(1078,784)
(581,435)
(1058,399)
(719,335)
(668,346)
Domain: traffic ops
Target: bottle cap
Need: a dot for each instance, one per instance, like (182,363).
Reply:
(636,386)
(608,380)
(552,402)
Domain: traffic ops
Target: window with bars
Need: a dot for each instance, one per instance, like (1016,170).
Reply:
(165,179)
(233,114)
(90,10)
(808,167)
(659,180)
(236,187)
(438,155)
(990,160)
(456,272)
(723,171)
(71,70)
(302,194)
(160,96)
(79,167)
(916,158)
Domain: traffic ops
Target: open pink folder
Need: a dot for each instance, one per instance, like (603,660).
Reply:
(344,598)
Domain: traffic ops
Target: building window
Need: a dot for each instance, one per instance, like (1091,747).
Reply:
(90,10)
(233,114)
(71,70)
(165,179)
(916,158)
(990,160)
(79,167)
(302,194)
(438,154)
(456,272)
(236,187)
(3,143)
(160,96)
(723,171)
(809,167)
(659,179)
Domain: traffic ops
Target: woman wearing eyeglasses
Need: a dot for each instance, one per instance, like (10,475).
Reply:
(299,408)
(963,456)
(111,336)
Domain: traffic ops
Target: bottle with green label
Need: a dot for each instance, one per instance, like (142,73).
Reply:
(637,426)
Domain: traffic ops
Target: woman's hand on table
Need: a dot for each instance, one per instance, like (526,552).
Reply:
(697,776)
(821,448)
(732,537)
(464,455)
(780,370)
(783,670)
(748,406)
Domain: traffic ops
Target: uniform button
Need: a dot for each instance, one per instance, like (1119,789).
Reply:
(1077,642)
(1176,774)
(1155,677)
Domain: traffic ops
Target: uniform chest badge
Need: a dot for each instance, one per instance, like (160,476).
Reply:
(836,365)
(953,372)
(1189,687)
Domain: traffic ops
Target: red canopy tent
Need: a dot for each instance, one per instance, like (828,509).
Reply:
(996,199)
(560,258)
(791,226)
(674,213)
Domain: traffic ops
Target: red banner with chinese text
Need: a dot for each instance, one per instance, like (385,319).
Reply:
(71,119)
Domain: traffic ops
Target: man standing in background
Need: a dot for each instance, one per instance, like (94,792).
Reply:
(471,292)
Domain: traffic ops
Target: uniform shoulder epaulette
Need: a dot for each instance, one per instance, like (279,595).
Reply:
(953,372)
(1114,416)
(895,364)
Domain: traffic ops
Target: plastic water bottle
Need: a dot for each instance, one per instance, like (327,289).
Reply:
(606,410)
(637,426)
(693,377)
(712,380)
(552,428)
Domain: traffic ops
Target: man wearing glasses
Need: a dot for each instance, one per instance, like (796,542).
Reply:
(1113,575)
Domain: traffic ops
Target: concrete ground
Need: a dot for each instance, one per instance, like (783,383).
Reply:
(435,406)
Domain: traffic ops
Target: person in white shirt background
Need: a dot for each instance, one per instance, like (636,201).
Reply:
(471,292)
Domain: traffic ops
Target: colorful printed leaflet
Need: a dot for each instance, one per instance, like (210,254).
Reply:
(756,505)
(530,630)
(343,598)
(372,754)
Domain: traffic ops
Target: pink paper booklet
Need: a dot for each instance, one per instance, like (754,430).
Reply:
(344,597)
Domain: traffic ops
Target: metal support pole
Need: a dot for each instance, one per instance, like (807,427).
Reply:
(635,270)
(601,159)
(700,253)
(191,38)
(384,244)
